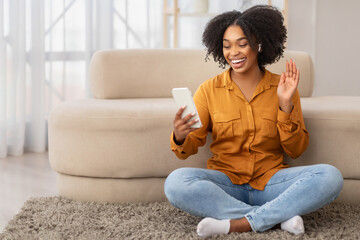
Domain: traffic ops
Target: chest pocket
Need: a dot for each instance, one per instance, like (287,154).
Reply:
(269,124)
(227,125)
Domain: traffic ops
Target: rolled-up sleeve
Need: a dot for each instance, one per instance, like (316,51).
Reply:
(196,138)
(293,135)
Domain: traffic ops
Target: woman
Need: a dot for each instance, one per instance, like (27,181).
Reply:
(254,116)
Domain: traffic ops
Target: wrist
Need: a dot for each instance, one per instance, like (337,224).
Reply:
(286,106)
(178,141)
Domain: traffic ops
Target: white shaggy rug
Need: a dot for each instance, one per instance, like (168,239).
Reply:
(60,218)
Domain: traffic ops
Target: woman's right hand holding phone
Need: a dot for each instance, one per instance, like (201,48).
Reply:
(182,126)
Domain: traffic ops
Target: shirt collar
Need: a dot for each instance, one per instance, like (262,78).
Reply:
(269,79)
(224,80)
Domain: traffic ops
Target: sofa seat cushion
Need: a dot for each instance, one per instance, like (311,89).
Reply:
(123,138)
(111,189)
(333,123)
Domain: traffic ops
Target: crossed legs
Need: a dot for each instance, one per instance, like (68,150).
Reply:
(290,192)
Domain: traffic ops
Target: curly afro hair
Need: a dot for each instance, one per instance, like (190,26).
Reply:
(260,24)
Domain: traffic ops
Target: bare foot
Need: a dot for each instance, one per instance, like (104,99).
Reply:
(240,225)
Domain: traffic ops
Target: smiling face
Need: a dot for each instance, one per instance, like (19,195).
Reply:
(237,51)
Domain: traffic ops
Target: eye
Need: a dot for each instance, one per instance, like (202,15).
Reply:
(227,47)
(243,45)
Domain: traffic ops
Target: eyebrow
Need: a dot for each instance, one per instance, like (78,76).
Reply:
(239,39)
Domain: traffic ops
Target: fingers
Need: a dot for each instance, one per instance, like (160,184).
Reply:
(297,75)
(282,79)
(179,112)
(294,70)
(178,116)
(182,126)
(186,123)
(287,72)
(190,123)
(188,117)
(291,70)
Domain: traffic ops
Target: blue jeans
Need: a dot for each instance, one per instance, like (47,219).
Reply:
(290,192)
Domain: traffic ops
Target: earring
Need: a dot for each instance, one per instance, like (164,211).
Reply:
(260,49)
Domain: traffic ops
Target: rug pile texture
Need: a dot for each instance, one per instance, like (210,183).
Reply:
(60,218)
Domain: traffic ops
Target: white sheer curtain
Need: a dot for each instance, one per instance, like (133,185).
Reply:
(12,79)
(45,50)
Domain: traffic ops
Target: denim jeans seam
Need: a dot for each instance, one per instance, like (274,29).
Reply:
(250,198)
(289,179)
(219,183)
(239,186)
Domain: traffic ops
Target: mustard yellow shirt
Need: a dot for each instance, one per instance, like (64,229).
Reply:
(249,138)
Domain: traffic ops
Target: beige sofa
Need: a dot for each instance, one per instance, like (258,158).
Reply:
(116,148)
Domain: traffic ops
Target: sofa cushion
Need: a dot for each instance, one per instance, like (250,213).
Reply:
(126,138)
(334,127)
(304,63)
(145,73)
(152,73)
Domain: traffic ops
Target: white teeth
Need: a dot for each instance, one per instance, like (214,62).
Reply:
(238,60)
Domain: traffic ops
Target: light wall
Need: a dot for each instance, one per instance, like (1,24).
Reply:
(330,31)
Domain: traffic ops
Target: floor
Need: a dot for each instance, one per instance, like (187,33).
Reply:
(21,178)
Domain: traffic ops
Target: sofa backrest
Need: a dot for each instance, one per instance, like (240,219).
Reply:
(152,73)
(304,63)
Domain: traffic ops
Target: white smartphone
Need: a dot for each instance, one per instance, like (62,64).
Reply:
(183,97)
